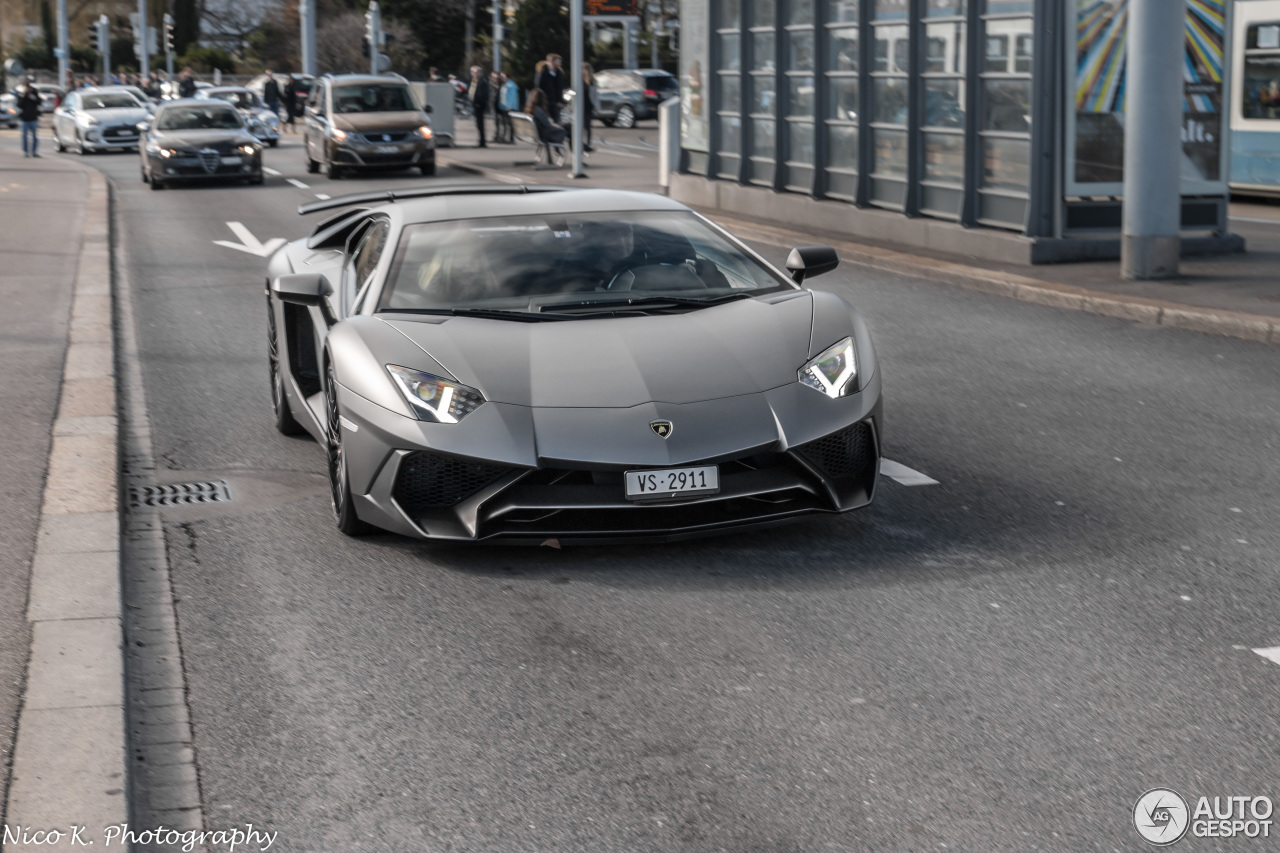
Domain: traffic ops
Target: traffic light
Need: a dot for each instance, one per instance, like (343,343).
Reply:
(93,36)
(168,33)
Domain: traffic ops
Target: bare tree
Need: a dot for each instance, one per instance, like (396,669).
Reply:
(338,43)
(230,23)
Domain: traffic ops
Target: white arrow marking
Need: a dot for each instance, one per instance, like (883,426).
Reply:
(900,473)
(249,244)
(1272,654)
(297,183)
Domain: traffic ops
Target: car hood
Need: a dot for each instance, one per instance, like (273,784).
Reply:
(724,351)
(361,122)
(202,138)
(119,115)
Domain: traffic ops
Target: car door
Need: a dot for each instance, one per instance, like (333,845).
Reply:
(606,91)
(64,118)
(316,121)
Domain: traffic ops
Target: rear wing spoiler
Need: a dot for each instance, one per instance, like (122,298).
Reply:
(389,196)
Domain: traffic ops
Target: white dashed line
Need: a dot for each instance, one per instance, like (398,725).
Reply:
(271,172)
(1272,654)
(323,196)
(1253,219)
(297,183)
(903,475)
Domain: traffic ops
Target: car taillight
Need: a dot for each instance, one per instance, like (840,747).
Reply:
(649,93)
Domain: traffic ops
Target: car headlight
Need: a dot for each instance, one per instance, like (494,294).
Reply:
(433,398)
(249,149)
(834,372)
(338,134)
(166,153)
(425,131)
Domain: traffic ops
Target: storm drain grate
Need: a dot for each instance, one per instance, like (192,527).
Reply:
(181,494)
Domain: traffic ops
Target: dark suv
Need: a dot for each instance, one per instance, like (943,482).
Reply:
(361,122)
(629,96)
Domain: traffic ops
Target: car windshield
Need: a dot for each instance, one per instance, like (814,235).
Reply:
(373,98)
(197,117)
(576,262)
(108,101)
(244,100)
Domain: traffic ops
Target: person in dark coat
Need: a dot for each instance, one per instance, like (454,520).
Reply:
(548,130)
(29,116)
(186,84)
(271,93)
(479,96)
(551,82)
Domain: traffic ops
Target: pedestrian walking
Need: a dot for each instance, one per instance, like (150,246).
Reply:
(590,102)
(289,103)
(479,96)
(551,81)
(271,93)
(497,107)
(29,119)
(186,84)
(509,98)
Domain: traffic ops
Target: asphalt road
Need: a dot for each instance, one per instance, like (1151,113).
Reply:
(1002,661)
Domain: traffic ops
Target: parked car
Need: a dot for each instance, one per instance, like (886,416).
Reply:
(362,122)
(50,96)
(9,110)
(98,119)
(198,140)
(531,363)
(263,122)
(627,97)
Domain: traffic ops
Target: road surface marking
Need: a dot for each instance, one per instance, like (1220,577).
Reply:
(1272,654)
(903,475)
(299,184)
(271,172)
(323,196)
(1253,219)
(250,244)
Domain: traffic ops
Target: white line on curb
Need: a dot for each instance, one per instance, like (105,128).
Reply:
(903,475)
(1272,654)
(297,183)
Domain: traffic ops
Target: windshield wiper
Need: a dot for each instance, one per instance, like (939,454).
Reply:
(646,301)
(486,313)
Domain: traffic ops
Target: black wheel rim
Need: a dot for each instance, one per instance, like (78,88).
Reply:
(337,462)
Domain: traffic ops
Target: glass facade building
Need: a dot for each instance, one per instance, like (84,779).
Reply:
(955,111)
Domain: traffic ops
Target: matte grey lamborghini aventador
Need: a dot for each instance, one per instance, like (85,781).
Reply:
(540,363)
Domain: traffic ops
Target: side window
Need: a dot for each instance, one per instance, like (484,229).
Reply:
(317,100)
(364,261)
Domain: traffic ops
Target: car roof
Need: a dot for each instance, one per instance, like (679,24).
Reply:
(364,78)
(198,102)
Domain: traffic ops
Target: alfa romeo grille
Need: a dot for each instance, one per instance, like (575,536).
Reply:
(846,453)
(209,159)
(181,494)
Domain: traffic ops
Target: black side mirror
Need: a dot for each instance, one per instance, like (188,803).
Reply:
(304,289)
(808,261)
(427,108)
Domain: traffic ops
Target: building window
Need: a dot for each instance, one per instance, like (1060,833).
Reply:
(889,101)
(942,120)
(840,113)
(728,89)
(762,75)
(799,71)
(1004,176)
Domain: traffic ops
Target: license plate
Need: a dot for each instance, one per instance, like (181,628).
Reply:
(231,161)
(386,149)
(672,482)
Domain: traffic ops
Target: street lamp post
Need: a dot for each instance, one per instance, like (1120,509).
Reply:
(63,52)
(307,18)
(1149,239)
(142,38)
(575,75)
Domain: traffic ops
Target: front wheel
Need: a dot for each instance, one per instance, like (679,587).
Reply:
(335,172)
(626,117)
(428,169)
(274,143)
(312,166)
(344,514)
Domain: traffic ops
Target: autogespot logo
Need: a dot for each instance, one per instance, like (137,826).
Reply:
(1161,816)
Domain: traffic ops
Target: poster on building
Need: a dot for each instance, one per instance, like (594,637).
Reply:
(695,124)
(1096,123)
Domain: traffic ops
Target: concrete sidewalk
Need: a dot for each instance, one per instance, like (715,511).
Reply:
(61,685)
(1236,295)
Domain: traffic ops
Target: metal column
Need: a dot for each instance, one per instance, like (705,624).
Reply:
(307,17)
(64,56)
(575,75)
(142,37)
(1149,241)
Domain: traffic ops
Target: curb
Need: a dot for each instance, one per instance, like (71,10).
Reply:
(1212,321)
(69,767)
